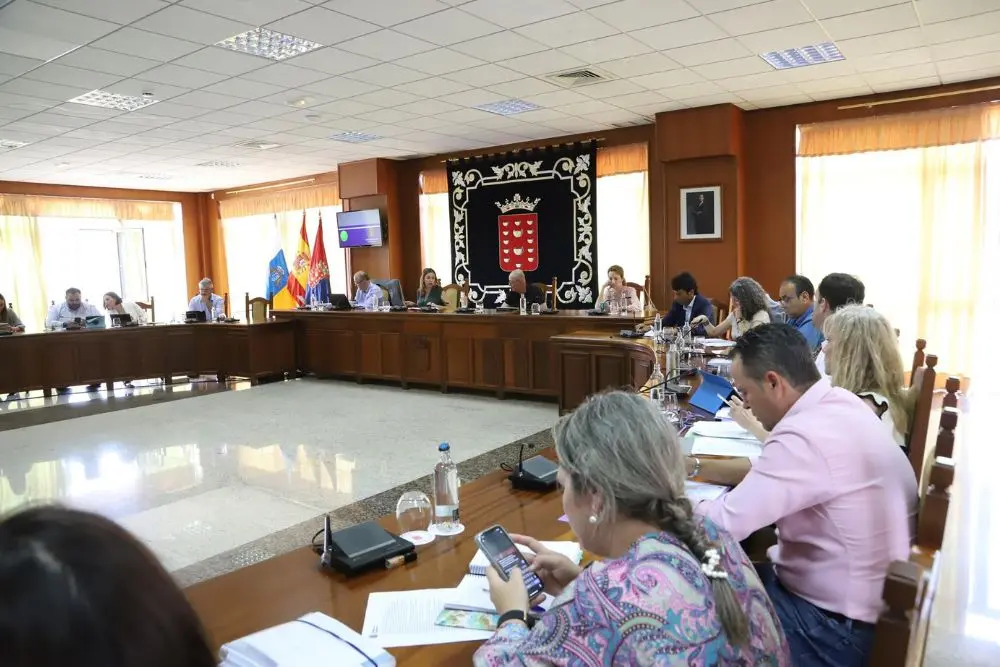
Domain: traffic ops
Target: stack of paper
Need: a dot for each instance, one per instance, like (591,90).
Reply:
(407,618)
(717,342)
(698,491)
(473,594)
(721,429)
(571,550)
(751,449)
(299,643)
(725,413)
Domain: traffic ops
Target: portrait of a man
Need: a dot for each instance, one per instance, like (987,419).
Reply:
(701,213)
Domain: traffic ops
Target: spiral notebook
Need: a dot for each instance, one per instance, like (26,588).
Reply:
(571,550)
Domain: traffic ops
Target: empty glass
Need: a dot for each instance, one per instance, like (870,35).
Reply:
(414,513)
(536,309)
(671,408)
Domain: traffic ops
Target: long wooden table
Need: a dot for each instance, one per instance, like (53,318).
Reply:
(92,356)
(500,352)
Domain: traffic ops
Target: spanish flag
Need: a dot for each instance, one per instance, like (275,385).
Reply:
(277,275)
(299,277)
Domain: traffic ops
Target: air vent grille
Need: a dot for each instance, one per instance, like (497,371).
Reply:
(578,77)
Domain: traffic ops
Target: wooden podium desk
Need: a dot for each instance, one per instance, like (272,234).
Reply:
(91,356)
(593,360)
(499,352)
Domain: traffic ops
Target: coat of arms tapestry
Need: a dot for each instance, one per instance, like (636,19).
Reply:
(534,211)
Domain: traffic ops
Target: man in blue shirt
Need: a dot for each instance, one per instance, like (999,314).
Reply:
(797,295)
(366,290)
(688,304)
(213,305)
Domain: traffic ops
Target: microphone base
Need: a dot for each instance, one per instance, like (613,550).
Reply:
(535,474)
(526,482)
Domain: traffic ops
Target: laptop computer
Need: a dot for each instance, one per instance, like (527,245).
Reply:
(712,394)
(96,322)
(193,316)
(340,302)
(121,319)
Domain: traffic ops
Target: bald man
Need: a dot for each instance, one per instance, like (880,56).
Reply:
(519,285)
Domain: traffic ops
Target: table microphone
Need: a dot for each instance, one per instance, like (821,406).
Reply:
(536,474)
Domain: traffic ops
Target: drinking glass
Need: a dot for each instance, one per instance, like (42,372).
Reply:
(536,309)
(613,306)
(670,407)
(414,514)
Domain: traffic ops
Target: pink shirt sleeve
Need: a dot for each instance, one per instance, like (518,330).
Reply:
(788,477)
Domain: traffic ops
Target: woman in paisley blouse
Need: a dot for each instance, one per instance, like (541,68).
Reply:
(672,589)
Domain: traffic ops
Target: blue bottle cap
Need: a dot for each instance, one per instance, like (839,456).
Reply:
(444,447)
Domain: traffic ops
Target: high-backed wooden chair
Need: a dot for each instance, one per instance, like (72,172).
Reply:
(640,291)
(450,294)
(922,396)
(258,309)
(951,387)
(720,309)
(550,288)
(918,358)
(151,307)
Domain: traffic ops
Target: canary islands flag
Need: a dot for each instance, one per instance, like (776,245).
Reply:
(277,276)
(299,278)
(319,270)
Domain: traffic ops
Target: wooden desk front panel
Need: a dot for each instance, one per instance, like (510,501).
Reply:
(590,362)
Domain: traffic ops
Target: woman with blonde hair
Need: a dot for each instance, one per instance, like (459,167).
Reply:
(429,292)
(615,289)
(751,307)
(672,589)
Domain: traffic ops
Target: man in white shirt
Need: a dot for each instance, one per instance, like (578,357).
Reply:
(834,292)
(71,313)
(366,290)
(213,305)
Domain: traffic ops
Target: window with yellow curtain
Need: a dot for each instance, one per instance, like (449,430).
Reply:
(917,222)
(622,214)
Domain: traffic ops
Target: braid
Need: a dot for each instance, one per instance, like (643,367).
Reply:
(675,515)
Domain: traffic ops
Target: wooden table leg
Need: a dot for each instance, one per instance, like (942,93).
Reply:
(47,393)
(110,386)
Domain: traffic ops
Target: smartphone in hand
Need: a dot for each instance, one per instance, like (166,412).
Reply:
(504,555)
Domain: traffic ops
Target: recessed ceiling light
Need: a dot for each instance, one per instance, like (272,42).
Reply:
(268,44)
(219,163)
(313,117)
(106,100)
(61,165)
(300,103)
(354,137)
(10,143)
(508,107)
(804,56)
(259,145)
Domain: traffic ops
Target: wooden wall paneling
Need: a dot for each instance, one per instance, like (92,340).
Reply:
(660,271)
(575,377)
(422,343)
(640,370)
(543,363)
(517,362)
(488,363)
(697,133)
(375,261)
(359,179)
(408,217)
(610,369)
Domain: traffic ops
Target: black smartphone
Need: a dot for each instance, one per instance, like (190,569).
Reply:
(504,555)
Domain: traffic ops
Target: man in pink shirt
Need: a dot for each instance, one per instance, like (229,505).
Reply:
(841,492)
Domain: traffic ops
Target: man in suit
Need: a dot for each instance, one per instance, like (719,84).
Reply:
(834,292)
(518,286)
(701,216)
(688,304)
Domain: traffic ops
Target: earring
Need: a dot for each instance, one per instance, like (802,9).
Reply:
(593,518)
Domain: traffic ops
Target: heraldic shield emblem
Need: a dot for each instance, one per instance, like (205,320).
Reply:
(518,233)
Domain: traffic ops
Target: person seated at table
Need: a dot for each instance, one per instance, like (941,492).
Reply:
(672,588)
(9,321)
(71,313)
(207,301)
(796,294)
(749,310)
(519,286)
(79,589)
(688,304)
(429,293)
(365,290)
(842,496)
(114,304)
(615,289)
(834,292)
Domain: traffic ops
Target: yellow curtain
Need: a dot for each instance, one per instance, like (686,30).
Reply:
(625,159)
(30,206)
(946,127)
(21,278)
(297,199)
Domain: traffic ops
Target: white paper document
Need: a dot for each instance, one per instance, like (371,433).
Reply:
(473,594)
(723,429)
(725,413)
(698,491)
(716,342)
(750,449)
(406,618)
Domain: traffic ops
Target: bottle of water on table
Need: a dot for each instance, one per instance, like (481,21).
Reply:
(446,517)
(656,386)
(658,325)
(524,305)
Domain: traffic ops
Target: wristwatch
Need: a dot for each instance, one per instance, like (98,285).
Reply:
(697,468)
(515,615)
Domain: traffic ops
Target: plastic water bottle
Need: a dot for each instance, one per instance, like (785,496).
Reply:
(658,325)
(446,516)
(687,342)
(656,386)
(524,305)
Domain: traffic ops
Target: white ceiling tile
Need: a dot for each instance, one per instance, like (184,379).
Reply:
(884,77)
(568,29)
(228,117)
(222,61)
(935,11)
(555,99)
(877,21)
(386,13)
(588,107)
(71,76)
(629,15)
(386,97)
(709,52)
(339,87)
(971,75)
(643,99)
(122,13)
(967,28)
(680,33)
(541,115)
(908,84)
(184,77)
(427,107)
(388,116)
(253,12)
(711,100)
(136,87)
(259,109)
(499,46)
(731,68)
(758,18)
(834,83)
(30,18)
(425,123)
(386,45)
(27,45)
(448,27)
(606,48)
(761,94)
(824,9)
(41,89)
(206,100)
(609,89)
(333,61)
(650,63)
(485,75)
(245,88)
(881,61)
(859,91)
(195,26)
(345,108)
(12,66)
(884,43)
(439,61)
(323,26)
(516,13)
(967,47)
(715,6)
(813,73)
(387,74)
(433,87)
(546,62)
(693,90)
(967,63)
(577,125)
(791,37)
(523,87)
(662,80)
(471,98)
(287,76)
(108,62)
(146,45)
(755,81)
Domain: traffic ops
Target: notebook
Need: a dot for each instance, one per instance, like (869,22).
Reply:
(712,387)
(571,550)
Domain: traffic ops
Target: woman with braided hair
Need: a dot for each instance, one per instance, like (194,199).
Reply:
(673,589)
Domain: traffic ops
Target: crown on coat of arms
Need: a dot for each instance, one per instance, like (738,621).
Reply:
(518,203)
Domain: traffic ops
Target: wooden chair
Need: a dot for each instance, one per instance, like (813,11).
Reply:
(918,357)
(258,309)
(151,307)
(450,294)
(550,288)
(922,396)
(951,387)
(640,291)
(720,309)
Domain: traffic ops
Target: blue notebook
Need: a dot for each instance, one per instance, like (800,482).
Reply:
(706,397)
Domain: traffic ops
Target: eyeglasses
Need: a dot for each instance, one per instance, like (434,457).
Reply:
(786,299)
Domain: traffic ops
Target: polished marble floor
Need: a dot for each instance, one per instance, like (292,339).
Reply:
(198,477)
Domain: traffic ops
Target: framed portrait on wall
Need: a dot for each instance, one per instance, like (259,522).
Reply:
(701,213)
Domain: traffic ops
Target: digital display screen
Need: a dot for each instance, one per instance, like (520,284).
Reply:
(358,229)
(497,545)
